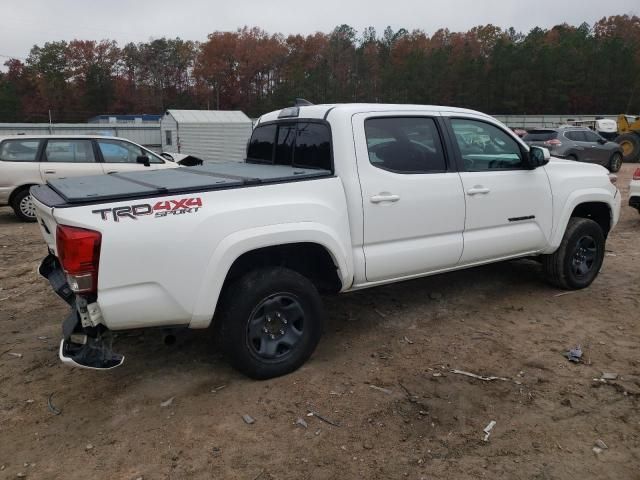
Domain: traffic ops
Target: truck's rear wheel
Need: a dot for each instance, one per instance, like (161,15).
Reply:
(630,144)
(270,322)
(578,260)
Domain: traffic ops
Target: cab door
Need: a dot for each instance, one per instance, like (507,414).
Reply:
(508,205)
(64,158)
(412,196)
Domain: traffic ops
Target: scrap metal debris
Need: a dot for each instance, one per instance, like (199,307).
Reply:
(407,340)
(313,413)
(381,389)
(51,406)
(479,377)
(301,422)
(487,430)
(574,355)
(248,419)
(601,444)
(609,376)
(16,355)
(167,402)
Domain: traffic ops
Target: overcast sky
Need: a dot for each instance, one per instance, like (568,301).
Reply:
(29,22)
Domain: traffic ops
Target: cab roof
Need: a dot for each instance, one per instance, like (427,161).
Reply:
(323,111)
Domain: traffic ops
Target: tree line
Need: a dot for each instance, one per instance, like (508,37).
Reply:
(561,70)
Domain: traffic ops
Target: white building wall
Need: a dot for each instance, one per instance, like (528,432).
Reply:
(215,141)
(211,135)
(168,123)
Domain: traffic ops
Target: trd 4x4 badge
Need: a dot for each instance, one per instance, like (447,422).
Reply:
(164,208)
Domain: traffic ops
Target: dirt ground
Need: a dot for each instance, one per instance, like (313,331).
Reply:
(424,422)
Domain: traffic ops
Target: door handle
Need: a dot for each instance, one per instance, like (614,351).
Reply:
(478,189)
(50,172)
(384,198)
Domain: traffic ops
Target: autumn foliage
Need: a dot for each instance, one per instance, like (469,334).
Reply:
(565,69)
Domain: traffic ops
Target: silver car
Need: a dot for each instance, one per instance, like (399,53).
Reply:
(29,160)
(577,143)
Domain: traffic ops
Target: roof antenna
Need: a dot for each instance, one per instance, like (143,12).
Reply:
(301,102)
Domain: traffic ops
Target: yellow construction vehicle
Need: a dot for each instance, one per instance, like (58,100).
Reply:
(629,137)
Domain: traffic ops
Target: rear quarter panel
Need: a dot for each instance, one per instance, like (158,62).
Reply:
(169,270)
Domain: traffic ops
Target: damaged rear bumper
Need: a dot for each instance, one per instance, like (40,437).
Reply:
(86,342)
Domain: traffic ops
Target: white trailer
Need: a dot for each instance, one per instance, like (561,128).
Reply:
(212,135)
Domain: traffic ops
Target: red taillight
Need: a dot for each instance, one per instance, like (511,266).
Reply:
(636,174)
(553,142)
(79,253)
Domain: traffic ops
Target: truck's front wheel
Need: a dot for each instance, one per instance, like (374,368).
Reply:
(578,260)
(270,322)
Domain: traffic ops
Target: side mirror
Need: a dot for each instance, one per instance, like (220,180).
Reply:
(538,156)
(144,160)
(602,141)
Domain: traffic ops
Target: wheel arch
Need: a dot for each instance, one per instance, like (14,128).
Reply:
(310,249)
(595,206)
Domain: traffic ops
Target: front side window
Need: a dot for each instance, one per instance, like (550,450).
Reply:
(116,151)
(486,147)
(19,150)
(69,151)
(405,145)
(591,136)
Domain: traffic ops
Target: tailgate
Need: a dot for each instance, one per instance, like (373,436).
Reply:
(47,223)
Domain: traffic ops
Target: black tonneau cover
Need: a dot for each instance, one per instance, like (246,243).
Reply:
(123,186)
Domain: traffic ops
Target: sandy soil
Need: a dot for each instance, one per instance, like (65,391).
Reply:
(424,422)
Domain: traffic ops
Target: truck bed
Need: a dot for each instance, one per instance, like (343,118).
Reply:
(69,192)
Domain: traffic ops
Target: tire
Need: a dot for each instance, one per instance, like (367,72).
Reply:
(23,206)
(270,322)
(615,162)
(576,263)
(572,157)
(630,143)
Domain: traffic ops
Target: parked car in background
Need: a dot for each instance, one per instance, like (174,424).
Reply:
(521,132)
(634,190)
(30,160)
(577,143)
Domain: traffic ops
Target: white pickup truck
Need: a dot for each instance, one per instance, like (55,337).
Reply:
(331,198)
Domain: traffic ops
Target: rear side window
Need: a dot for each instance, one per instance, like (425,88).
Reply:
(540,136)
(70,151)
(576,136)
(301,144)
(405,144)
(19,150)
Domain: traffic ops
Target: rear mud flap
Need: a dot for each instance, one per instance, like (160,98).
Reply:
(80,347)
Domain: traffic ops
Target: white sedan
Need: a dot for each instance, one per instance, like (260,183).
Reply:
(30,160)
